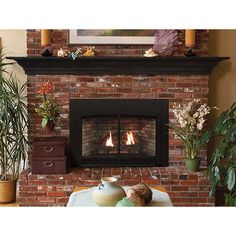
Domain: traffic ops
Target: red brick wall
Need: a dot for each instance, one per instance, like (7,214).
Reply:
(180,89)
(60,39)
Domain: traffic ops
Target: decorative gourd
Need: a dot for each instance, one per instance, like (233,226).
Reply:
(141,194)
(125,202)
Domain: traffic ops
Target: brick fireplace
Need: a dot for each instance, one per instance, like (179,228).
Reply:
(176,79)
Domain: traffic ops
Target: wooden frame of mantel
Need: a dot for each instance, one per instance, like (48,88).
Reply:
(118,65)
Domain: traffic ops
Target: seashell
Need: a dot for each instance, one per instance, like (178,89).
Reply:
(62,52)
(90,52)
(150,53)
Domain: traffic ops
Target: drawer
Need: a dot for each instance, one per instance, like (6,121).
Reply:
(55,165)
(49,147)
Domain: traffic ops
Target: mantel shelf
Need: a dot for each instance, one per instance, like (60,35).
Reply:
(118,65)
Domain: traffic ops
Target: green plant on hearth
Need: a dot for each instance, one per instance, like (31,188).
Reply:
(189,128)
(49,109)
(13,129)
(222,168)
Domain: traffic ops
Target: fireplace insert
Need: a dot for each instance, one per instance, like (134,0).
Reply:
(119,132)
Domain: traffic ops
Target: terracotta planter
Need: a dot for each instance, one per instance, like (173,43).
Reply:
(7,191)
(192,165)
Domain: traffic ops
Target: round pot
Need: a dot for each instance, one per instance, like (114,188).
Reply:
(7,191)
(192,165)
(108,193)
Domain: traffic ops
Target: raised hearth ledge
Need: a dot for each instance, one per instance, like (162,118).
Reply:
(118,65)
(184,188)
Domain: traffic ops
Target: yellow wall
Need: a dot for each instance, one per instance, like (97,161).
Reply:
(222,84)
(14,43)
(223,79)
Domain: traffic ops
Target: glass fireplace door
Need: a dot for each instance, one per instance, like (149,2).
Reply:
(118,136)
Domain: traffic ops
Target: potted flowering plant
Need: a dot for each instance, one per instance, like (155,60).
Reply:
(49,109)
(188,127)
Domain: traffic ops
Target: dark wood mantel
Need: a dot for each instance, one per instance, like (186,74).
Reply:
(118,65)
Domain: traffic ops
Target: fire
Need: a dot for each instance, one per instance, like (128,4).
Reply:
(130,138)
(109,142)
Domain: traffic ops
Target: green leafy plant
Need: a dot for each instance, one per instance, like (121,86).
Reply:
(188,127)
(13,124)
(222,169)
(49,109)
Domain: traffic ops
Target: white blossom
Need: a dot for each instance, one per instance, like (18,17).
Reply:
(190,120)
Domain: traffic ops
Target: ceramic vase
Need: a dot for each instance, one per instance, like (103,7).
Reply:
(108,193)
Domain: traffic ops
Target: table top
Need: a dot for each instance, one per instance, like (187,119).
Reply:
(83,198)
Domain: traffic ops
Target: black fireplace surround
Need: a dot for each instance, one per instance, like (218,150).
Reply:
(119,132)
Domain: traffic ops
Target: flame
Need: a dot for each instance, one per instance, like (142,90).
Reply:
(130,138)
(109,142)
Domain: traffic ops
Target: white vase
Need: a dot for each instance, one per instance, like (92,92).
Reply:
(108,193)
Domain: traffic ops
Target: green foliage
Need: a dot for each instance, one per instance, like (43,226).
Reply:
(49,110)
(223,162)
(13,125)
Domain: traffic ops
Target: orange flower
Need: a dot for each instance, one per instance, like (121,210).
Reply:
(46,88)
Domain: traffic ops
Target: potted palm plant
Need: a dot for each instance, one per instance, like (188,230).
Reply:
(188,127)
(13,132)
(222,168)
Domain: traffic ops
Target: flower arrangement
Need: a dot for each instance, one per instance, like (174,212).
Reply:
(189,126)
(49,109)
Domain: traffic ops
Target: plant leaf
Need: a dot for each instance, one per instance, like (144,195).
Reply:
(44,122)
(231,178)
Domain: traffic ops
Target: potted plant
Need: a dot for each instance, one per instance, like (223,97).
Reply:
(188,127)
(13,132)
(49,109)
(222,168)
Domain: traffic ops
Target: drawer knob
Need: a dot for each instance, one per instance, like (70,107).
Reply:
(48,164)
(48,148)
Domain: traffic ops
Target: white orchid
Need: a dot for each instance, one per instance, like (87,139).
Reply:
(190,120)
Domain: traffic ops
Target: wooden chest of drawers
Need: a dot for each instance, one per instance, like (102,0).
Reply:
(49,155)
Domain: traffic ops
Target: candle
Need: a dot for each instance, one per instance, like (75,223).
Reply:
(45,37)
(189,38)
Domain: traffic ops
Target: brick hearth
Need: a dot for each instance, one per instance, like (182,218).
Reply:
(184,188)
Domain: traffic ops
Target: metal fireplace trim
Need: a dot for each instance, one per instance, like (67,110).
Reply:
(155,108)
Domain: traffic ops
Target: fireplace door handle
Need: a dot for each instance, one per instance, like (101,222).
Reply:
(48,148)
(48,164)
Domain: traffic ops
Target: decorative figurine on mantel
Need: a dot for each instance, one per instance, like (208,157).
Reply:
(63,52)
(150,53)
(75,54)
(89,52)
